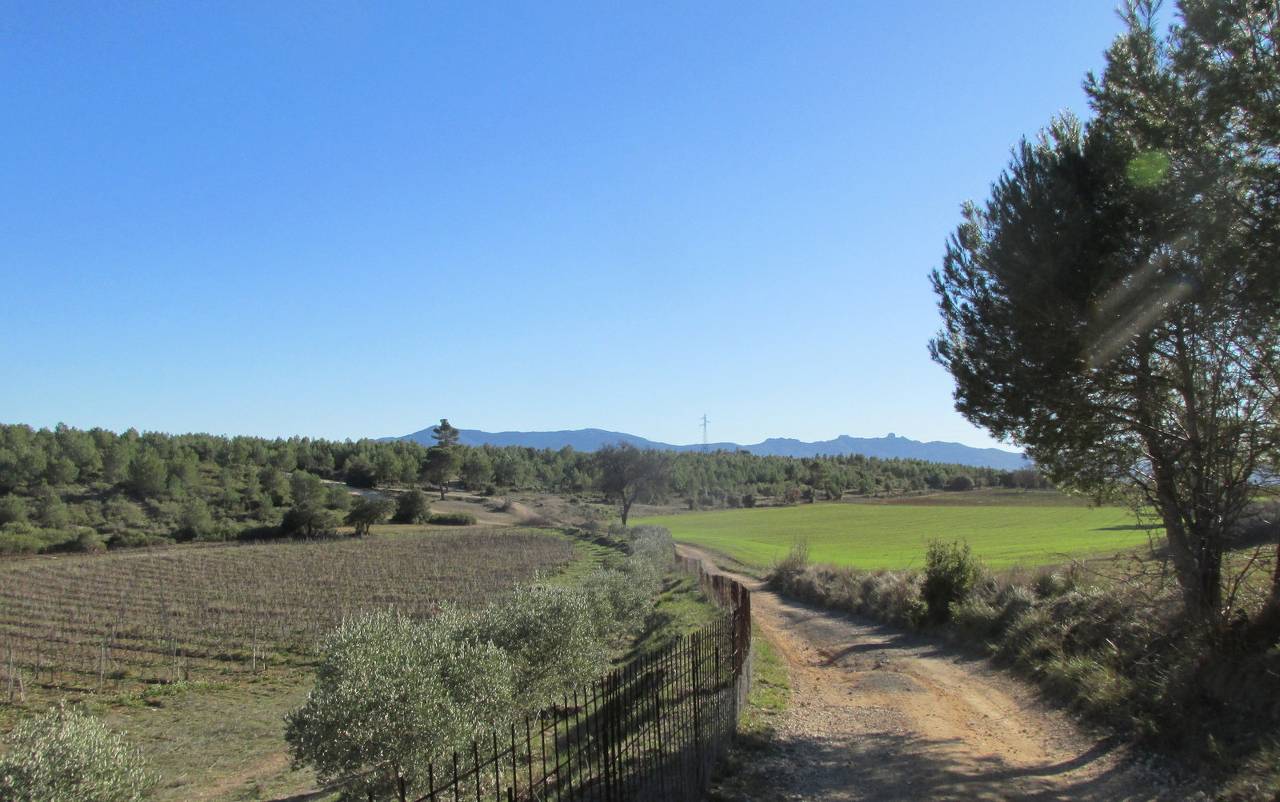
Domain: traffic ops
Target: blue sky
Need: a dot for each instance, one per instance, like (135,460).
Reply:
(346,220)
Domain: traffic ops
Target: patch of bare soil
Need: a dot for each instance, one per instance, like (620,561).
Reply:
(878,714)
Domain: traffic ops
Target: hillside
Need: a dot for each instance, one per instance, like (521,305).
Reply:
(888,447)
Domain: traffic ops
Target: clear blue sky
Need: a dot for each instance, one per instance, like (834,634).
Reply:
(349,219)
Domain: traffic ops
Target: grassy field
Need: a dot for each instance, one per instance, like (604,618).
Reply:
(1004,529)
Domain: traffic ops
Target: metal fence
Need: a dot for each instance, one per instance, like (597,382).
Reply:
(650,730)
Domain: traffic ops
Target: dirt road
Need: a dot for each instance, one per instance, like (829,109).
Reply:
(878,714)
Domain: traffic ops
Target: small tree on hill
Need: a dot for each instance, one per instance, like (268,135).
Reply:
(366,512)
(442,464)
(445,434)
(412,508)
(628,475)
(308,520)
(148,475)
(960,483)
(360,472)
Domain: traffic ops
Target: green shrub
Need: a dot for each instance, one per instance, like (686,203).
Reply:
(976,618)
(20,542)
(960,484)
(87,542)
(13,509)
(412,508)
(1012,602)
(130,540)
(1051,584)
(68,756)
(308,521)
(950,573)
(791,567)
(452,519)
(195,522)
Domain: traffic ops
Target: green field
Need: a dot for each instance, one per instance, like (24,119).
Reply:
(1004,530)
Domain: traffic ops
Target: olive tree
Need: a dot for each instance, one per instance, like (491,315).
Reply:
(66,755)
(551,640)
(1113,306)
(393,695)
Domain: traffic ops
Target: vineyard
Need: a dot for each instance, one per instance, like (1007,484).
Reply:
(122,620)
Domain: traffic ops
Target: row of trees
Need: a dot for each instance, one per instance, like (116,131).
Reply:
(95,488)
(459,673)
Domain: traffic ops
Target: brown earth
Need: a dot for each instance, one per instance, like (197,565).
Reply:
(876,713)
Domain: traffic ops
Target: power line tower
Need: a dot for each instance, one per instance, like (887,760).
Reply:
(704,431)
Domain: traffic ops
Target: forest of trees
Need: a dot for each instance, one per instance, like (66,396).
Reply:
(70,489)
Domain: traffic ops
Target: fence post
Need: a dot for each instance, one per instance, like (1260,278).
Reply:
(497,775)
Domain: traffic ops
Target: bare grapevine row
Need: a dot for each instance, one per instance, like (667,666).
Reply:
(115,621)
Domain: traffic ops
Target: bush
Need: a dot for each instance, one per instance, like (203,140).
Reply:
(68,756)
(412,508)
(452,519)
(960,483)
(337,498)
(130,540)
(14,542)
(308,521)
(13,509)
(1051,584)
(87,542)
(748,500)
(360,472)
(793,565)
(950,573)
(976,617)
(195,521)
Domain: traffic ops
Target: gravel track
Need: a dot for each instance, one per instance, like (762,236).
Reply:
(877,713)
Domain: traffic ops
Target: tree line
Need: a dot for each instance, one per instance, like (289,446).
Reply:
(67,488)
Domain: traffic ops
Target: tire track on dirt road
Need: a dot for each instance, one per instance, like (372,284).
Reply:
(878,714)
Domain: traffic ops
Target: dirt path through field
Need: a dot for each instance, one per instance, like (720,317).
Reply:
(878,714)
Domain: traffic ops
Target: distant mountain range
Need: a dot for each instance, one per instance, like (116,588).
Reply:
(887,447)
